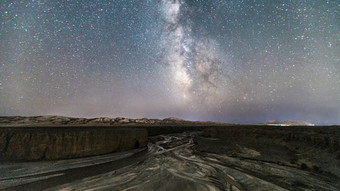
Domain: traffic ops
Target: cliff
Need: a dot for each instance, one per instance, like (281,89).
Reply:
(313,148)
(35,143)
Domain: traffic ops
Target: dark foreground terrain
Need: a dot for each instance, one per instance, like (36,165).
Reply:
(183,155)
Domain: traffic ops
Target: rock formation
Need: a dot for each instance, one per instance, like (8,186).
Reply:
(35,143)
(314,148)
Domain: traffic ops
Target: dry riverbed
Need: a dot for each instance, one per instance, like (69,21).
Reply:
(184,161)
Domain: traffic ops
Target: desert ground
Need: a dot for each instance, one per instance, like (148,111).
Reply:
(61,153)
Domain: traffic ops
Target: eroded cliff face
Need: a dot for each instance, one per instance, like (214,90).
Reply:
(35,143)
(311,148)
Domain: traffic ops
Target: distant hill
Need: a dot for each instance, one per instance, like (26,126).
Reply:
(288,123)
(119,121)
(52,120)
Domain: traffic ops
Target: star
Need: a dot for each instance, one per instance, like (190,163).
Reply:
(233,61)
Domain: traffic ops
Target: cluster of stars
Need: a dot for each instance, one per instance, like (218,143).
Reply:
(236,61)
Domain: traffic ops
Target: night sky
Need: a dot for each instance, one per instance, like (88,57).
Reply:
(241,61)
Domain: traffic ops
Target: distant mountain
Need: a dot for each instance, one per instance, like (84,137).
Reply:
(52,120)
(70,121)
(288,123)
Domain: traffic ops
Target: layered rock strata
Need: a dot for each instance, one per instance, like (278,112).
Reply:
(311,148)
(51,143)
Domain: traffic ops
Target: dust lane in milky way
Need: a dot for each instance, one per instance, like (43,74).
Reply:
(235,61)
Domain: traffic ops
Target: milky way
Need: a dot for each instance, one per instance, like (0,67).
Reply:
(234,61)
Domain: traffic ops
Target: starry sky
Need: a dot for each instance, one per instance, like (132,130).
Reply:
(240,61)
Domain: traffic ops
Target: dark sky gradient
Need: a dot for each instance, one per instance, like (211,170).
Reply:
(242,61)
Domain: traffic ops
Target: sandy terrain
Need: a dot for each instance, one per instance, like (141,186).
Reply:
(216,157)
